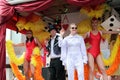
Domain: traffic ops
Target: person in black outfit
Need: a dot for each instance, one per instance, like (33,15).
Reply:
(57,71)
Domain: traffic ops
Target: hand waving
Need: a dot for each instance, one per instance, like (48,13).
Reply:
(62,32)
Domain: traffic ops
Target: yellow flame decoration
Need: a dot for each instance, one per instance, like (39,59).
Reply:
(96,12)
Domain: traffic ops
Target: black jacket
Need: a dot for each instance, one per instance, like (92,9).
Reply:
(56,48)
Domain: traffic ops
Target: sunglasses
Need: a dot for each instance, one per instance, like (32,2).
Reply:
(73,27)
(28,33)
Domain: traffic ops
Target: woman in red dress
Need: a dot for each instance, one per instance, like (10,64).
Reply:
(30,44)
(94,39)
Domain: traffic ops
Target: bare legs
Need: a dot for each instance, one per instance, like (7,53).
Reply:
(32,71)
(27,67)
(91,66)
(100,65)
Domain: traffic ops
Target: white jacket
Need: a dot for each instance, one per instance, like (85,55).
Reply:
(73,47)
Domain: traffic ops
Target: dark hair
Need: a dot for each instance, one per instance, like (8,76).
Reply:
(94,19)
(52,27)
(29,31)
(29,39)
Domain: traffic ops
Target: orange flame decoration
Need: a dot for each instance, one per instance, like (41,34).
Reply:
(38,70)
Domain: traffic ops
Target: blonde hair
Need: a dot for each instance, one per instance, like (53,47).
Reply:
(72,24)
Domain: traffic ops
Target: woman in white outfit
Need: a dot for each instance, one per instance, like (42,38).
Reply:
(73,53)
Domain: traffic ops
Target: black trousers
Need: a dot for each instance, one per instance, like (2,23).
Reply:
(57,70)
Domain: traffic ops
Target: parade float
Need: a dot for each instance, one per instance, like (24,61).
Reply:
(9,19)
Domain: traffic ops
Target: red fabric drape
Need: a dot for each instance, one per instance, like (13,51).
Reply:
(2,52)
(12,25)
(7,10)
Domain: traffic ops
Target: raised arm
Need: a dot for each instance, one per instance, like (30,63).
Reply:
(62,32)
(110,32)
(19,44)
(86,35)
(64,52)
(38,43)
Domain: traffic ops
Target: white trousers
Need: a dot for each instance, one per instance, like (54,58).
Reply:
(72,65)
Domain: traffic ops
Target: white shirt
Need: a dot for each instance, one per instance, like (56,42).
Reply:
(73,47)
(52,54)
